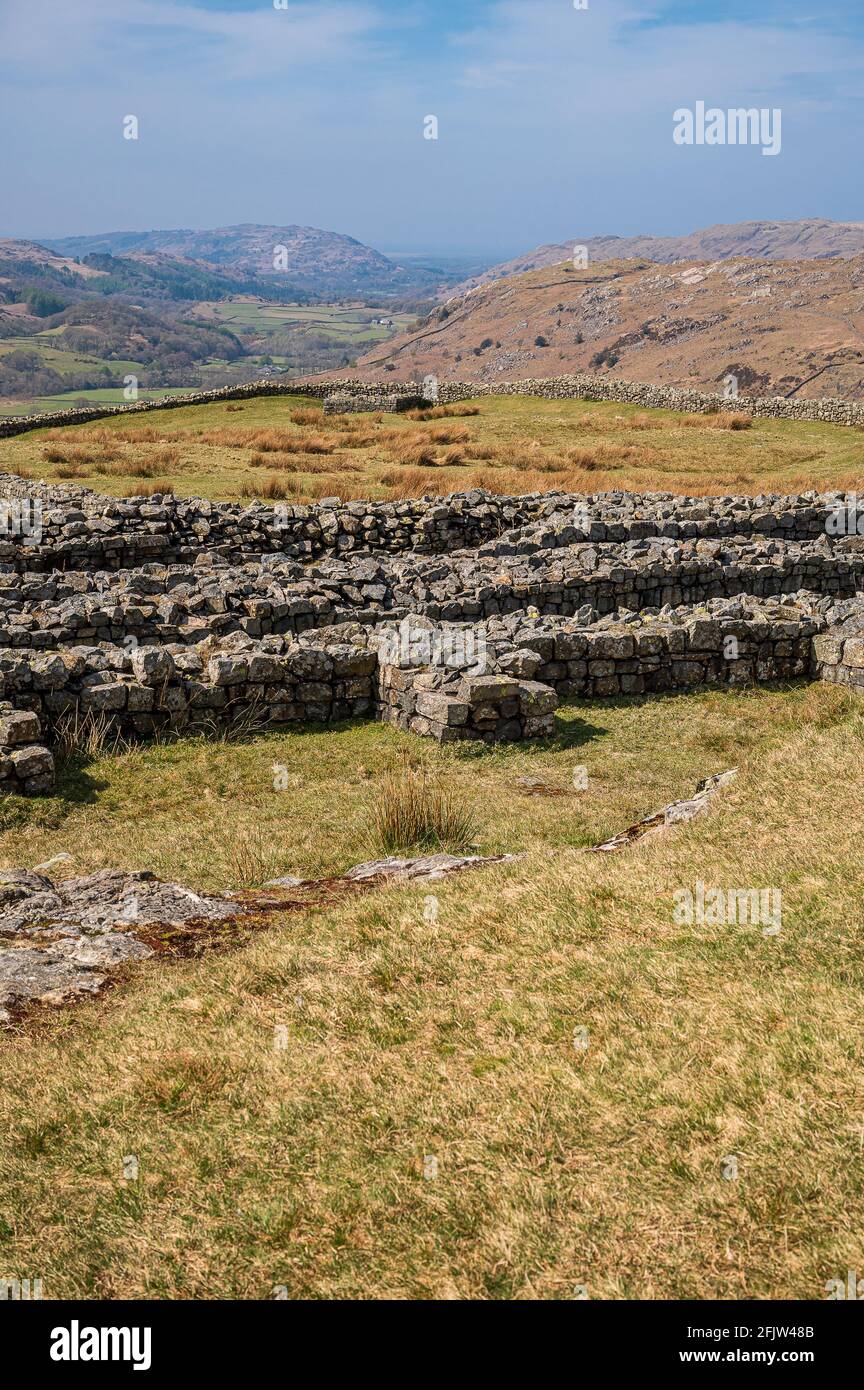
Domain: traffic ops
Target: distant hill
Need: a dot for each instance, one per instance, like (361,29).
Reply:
(779,326)
(25,265)
(149,277)
(325,264)
(810,239)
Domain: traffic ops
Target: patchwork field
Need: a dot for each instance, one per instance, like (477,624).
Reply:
(284,447)
(292,337)
(354,323)
(566,1159)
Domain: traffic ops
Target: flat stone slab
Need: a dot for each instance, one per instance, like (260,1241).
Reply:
(62,940)
(429,866)
(107,901)
(675,813)
(59,940)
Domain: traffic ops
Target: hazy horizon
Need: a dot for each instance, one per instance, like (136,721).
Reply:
(552,121)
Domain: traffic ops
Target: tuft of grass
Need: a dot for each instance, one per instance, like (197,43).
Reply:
(440,412)
(719,420)
(413,811)
(163,486)
(272,489)
(251,858)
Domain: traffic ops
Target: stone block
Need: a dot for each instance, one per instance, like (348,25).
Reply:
(19,727)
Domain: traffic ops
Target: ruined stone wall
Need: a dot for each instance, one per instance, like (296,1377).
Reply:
(453,707)
(652,657)
(541,598)
(147,689)
(26,765)
(278,599)
(585,387)
(81,530)
(356,402)
(838,654)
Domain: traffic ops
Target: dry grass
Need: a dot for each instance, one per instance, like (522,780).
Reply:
(441,412)
(721,420)
(249,857)
(86,735)
(271,489)
(163,486)
(557,1165)
(515,445)
(331,486)
(268,441)
(449,434)
(414,455)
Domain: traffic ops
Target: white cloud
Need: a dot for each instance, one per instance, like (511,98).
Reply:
(114,38)
(604,60)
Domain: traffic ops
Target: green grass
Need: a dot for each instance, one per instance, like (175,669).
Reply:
(341,326)
(63,361)
(107,395)
(348,323)
(558,1166)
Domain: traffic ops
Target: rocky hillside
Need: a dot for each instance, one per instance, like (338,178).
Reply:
(780,327)
(811,239)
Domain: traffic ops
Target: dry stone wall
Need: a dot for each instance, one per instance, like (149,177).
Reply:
(838,652)
(26,765)
(80,530)
(461,618)
(394,396)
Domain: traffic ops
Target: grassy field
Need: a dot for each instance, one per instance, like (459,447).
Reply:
(296,337)
(558,1165)
(107,395)
(303,338)
(553,1087)
(346,323)
(61,359)
(283,447)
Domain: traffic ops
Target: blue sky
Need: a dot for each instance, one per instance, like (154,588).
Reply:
(553,122)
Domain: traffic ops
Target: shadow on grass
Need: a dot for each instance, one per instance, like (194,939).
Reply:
(75,787)
(574,729)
